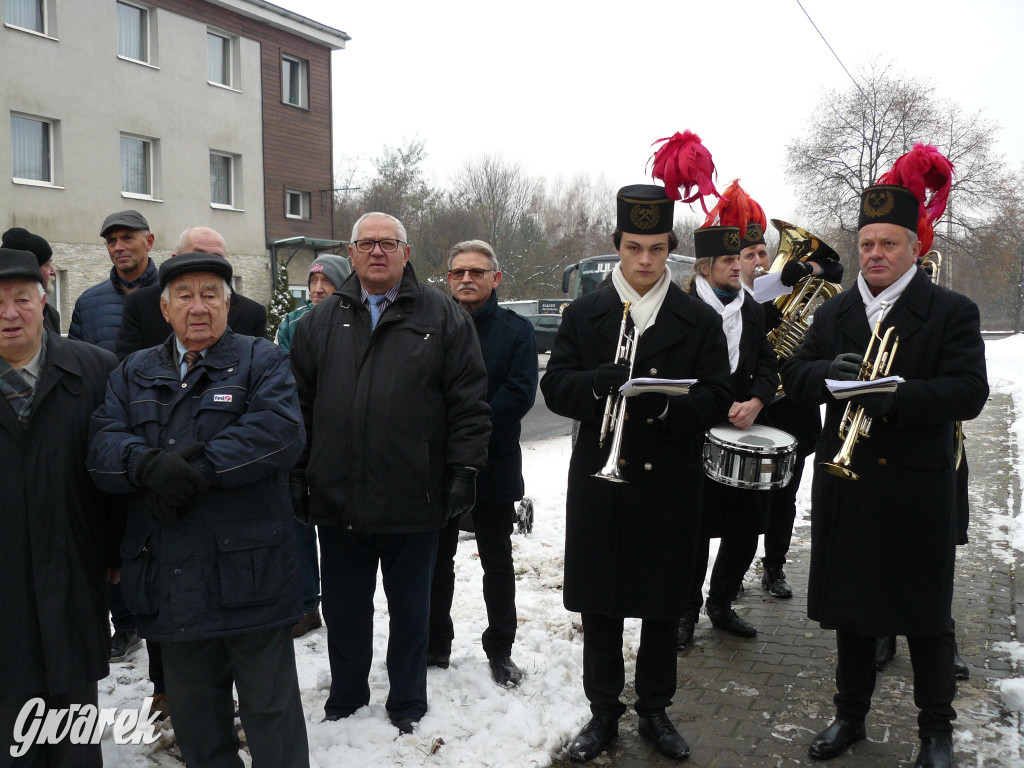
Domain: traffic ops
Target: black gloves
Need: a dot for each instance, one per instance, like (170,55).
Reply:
(876,404)
(298,490)
(846,367)
(171,480)
(461,490)
(795,271)
(609,377)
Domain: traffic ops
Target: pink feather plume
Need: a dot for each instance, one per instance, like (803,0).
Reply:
(682,162)
(921,170)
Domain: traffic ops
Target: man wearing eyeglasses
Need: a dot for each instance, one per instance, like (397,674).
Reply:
(510,355)
(393,392)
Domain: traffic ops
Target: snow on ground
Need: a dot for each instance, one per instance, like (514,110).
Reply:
(471,721)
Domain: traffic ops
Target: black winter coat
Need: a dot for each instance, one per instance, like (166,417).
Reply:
(882,547)
(388,411)
(629,547)
(229,564)
(509,347)
(58,532)
(143,325)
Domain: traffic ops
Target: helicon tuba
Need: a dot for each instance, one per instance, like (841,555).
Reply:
(798,307)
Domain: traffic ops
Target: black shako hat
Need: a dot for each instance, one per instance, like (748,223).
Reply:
(888,204)
(22,240)
(184,263)
(753,236)
(124,220)
(644,209)
(709,242)
(16,264)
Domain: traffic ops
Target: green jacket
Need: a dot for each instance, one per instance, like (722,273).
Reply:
(287,327)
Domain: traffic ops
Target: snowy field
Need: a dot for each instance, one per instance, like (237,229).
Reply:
(472,722)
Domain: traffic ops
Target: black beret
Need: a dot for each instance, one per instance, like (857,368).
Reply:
(184,263)
(888,204)
(19,265)
(124,220)
(644,209)
(22,240)
(710,242)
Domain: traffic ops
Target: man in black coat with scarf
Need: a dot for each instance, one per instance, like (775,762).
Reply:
(58,536)
(630,546)
(882,545)
(509,347)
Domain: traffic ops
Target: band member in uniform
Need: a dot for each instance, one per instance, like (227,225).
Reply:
(736,515)
(629,546)
(882,546)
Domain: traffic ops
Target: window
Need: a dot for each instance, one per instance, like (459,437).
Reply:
(219,59)
(32,149)
(299,292)
(296,204)
(225,180)
(132,32)
(136,166)
(294,86)
(27,14)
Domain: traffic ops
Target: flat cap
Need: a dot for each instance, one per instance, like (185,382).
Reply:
(21,239)
(184,263)
(124,220)
(19,265)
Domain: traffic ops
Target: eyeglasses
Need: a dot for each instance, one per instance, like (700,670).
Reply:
(388,245)
(476,274)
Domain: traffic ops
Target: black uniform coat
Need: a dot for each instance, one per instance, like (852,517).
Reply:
(740,511)
(143,325)
(882,547)
(57,532)
(629,548)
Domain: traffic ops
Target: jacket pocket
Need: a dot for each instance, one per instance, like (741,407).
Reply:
(138,573)
(250,562)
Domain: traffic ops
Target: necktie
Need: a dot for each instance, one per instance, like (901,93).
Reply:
(374,308)
(190,359)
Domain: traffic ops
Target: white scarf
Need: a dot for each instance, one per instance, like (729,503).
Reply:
(732,317)
(643,309)
(873,304)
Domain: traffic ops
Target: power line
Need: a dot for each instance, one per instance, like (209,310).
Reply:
(852,79)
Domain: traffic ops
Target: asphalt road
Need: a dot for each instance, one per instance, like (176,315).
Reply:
(540,423)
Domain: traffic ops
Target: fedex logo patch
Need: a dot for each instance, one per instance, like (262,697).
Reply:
(222,398)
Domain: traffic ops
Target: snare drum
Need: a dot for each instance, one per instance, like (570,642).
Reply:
(757,458)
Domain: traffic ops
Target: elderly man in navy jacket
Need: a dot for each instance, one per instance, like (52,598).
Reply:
(202,431)
(509,347)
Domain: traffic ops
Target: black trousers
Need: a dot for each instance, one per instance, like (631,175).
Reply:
(348,579)
(934,686)
(604,673)
(781,514)
(61,755)
(735,554)
(261,664)
(156,667)
(493,522)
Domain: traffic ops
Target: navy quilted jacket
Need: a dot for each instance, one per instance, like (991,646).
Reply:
(97,315)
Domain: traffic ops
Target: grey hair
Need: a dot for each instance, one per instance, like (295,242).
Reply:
(183,240)
(912,235)
(42,291)
(474,246)
(166,293)
(399,226)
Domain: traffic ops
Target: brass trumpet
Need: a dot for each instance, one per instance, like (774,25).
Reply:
(856,423)
(615,406)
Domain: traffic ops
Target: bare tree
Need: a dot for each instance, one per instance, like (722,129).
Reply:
(501,193)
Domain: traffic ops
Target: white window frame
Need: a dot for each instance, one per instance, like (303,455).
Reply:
(152,147)
(148,18)
(53,156)
(299,292)
(231,58)
(288,61)
(47,16)
(235,181)
(304,204)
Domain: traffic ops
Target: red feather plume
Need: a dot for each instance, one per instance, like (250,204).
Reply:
(736,208)
(683,162)
(921,169)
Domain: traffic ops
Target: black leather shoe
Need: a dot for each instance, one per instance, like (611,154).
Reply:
(835,739)
(505,672)
(405,724)
(123,644)
(601,731)
(658,730)
(960,669)
(307,623)
(885,652)
(936,752)
(773,580)
(724,617)
(687,625)
(439,660)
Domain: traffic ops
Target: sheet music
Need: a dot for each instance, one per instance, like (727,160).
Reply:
(670,387)
(844,389)
(769,287)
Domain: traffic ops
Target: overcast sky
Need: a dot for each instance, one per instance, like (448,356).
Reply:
(563,86)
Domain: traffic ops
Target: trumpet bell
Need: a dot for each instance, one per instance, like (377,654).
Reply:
(837,469)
